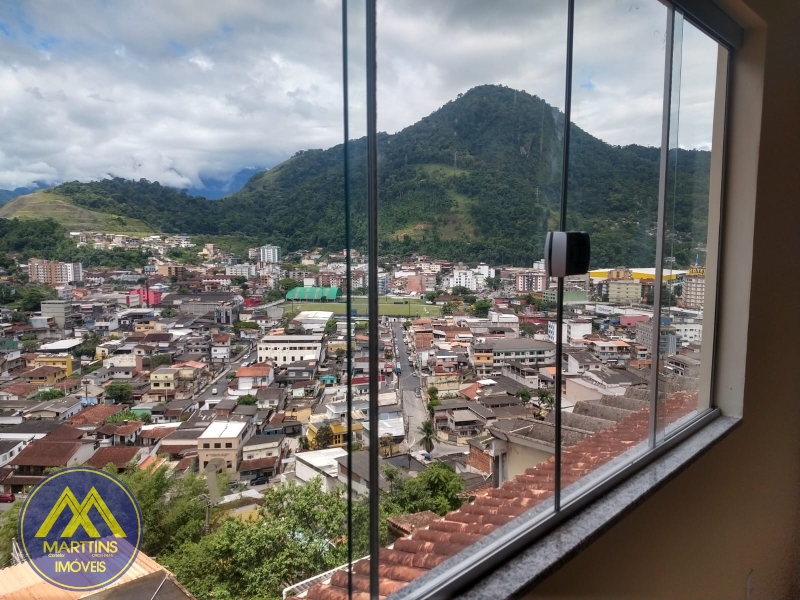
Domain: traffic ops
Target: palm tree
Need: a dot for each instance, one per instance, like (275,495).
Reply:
(428,432)
(386,443)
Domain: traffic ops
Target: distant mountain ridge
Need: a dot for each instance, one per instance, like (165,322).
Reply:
(478,179)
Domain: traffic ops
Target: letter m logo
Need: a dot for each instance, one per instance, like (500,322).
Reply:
(80,515)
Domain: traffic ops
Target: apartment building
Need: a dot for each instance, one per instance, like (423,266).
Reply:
(172,270)
(222,442)
(571,329)
(53,272)
(694,288)
(243,270)
(269,254)
(62,360)
(530,281)
(524,351)
(624,291)
(285,349)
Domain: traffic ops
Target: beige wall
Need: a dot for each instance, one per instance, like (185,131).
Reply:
(735,512)
(519,458)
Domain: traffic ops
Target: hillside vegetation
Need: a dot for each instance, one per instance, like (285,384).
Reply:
(49,204)
(477,180)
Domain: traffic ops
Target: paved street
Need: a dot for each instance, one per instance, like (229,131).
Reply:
(413,407)
(222,382)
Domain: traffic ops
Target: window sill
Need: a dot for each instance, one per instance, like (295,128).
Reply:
(537,561)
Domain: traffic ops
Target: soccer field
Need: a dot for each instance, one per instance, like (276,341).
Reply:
(386,307)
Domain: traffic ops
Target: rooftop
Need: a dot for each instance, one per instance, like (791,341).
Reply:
(95,415)
(120,456)
(223,429)
(41,453)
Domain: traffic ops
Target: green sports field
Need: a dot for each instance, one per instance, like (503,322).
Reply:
(386,307)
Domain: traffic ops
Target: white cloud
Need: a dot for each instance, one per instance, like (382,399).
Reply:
(176,89)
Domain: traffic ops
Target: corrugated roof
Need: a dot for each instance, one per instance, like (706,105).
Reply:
(21,582)
(313,293)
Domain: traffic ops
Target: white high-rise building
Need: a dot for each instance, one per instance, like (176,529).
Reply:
(269,254)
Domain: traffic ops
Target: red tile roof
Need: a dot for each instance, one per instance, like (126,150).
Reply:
(259,370)
(427,548)
(119,455)
(257,463)
(157,433)
(95,415)
(43,371)
(408,523)
(46,454)
(64,433)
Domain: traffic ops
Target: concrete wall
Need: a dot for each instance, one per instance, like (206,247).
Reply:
(728,526)
(519,458)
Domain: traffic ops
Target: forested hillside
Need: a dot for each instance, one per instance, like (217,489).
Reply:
(45,238)
(479,179)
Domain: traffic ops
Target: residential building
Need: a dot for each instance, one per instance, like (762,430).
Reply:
(624,291)
(221,348)
(530,281)
(668,340)
(45,376)
(269,254)
(53,272)
(243,270)
(60,409)
(285,349)
(37,457)
(61,360)
(9,449)
(163,382)
(172,270)
(58,310)
(571,329)
(319,463)
(694,288)
(222,442)
(463,276)
(339,429)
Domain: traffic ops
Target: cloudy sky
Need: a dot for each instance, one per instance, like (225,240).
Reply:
(172,90)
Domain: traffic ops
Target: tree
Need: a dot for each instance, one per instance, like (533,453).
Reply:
(433,391)
(481,308)
(169,312)
(431,406)
(303,443)
(239,325)
(300,531)
(428,432)
(546,399)
(289,284)
(31,299)
(120,392)
(52,394)
(493,283)
(527,329)
(156,360)
(386,442)
(430,297)
(448,308)
(247,400)
(470,299)
(30,346)
(524,395)
(331,327)
(436,489)
(460,290)
(88,346)
(8,531)
(19,317)
(239,280)
(272,296)
(406,324)
(324,437)
(129,415)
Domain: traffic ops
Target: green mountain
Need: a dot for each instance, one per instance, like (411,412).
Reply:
(479,179)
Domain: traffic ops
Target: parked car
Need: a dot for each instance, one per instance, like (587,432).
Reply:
(418,393)
(214,391)
(260,480)
(7,497)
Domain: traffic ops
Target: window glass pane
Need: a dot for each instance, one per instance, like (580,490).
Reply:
(471,99)
(691,233)
(612,193)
